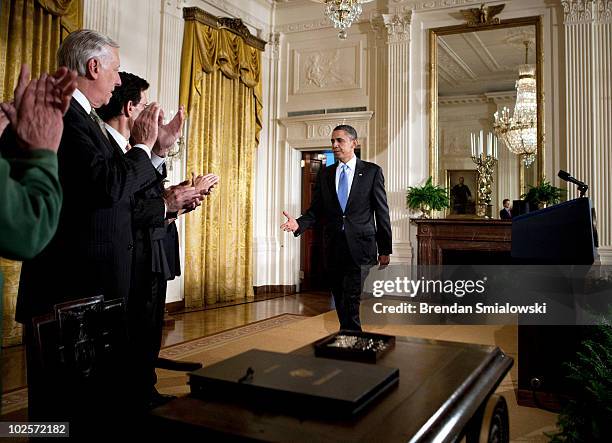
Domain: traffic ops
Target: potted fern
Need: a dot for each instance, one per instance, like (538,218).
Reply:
(586,417)
(543,195)
(427,198)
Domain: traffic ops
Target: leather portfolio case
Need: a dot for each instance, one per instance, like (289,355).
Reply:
(295,384)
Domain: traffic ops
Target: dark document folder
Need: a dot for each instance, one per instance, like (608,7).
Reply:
(294,384)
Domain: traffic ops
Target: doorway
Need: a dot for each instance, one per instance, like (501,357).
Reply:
(312,247)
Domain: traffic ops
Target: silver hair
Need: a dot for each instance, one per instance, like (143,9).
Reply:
(81,46)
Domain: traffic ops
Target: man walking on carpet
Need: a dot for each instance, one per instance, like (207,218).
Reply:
(350,198)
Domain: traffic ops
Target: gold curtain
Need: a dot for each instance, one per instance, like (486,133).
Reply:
(221,89)
(30,32)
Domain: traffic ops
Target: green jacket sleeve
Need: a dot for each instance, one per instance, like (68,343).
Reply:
(29,204)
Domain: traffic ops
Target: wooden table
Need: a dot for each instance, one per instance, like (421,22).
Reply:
(445,392)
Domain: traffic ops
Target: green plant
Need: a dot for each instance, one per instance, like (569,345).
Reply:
(545,193)
(586,418)
(427,197)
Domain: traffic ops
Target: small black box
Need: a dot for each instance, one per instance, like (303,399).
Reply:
(354,345)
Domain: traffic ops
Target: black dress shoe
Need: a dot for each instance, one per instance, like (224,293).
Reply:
(176,365)
(158,399)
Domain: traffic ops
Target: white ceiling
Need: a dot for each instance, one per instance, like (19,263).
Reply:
(482,61)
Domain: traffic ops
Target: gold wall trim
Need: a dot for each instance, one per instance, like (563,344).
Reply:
(233,25)
(535,21)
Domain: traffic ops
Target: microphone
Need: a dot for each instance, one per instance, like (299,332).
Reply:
(566,176)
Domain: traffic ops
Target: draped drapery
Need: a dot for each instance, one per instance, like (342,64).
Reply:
(221,90)
(30,32)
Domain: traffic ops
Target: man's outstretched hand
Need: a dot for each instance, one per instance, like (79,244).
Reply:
(383,261)
(290,225)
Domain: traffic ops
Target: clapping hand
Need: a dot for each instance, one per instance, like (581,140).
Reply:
(65,84)
(4,121)
(181,197)
(170,133)
(145,130)
(38,107)
(204,183)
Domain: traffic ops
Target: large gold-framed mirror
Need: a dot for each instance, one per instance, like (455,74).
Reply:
(474,71)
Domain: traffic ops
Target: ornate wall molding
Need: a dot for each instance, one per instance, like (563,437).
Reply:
(395,27)
(310,25)
(577,11)
(323,69)
(273,46)
(477,99)
(234,25)
(335,68)
(587,11)
(429,5)
(249,19)
(398,26)
(174,7)
(304,132)
(603,10)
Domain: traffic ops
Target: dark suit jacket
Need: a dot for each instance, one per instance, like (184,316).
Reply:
(149,230)
(366,218)
(91,251)
(171,243)
(504,215)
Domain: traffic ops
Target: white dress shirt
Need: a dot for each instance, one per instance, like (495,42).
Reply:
(117,136)
(156,160)
(350,173)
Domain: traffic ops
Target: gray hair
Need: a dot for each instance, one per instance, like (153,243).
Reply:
(350,131)
(81,46)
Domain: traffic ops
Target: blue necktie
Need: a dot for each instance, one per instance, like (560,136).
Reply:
(343,188)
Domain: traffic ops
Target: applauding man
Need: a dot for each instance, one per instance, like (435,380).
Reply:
(30,191)
(152,208)
(91,253)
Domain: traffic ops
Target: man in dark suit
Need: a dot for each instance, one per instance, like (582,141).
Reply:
(150,267)
(349,197)
(506,211)
(30,190)
(91,253)
(156,250)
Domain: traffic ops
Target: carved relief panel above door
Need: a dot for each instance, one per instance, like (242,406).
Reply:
(318,68)
(323,70)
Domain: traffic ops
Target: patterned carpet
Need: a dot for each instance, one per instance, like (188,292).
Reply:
(18,398)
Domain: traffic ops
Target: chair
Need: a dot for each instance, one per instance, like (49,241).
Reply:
(80,354)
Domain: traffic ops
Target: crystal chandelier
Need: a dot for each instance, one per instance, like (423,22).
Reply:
(519,132)
(342,13)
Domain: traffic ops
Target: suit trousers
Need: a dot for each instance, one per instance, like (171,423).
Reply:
(145,318)
(158,325)
(346,281)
